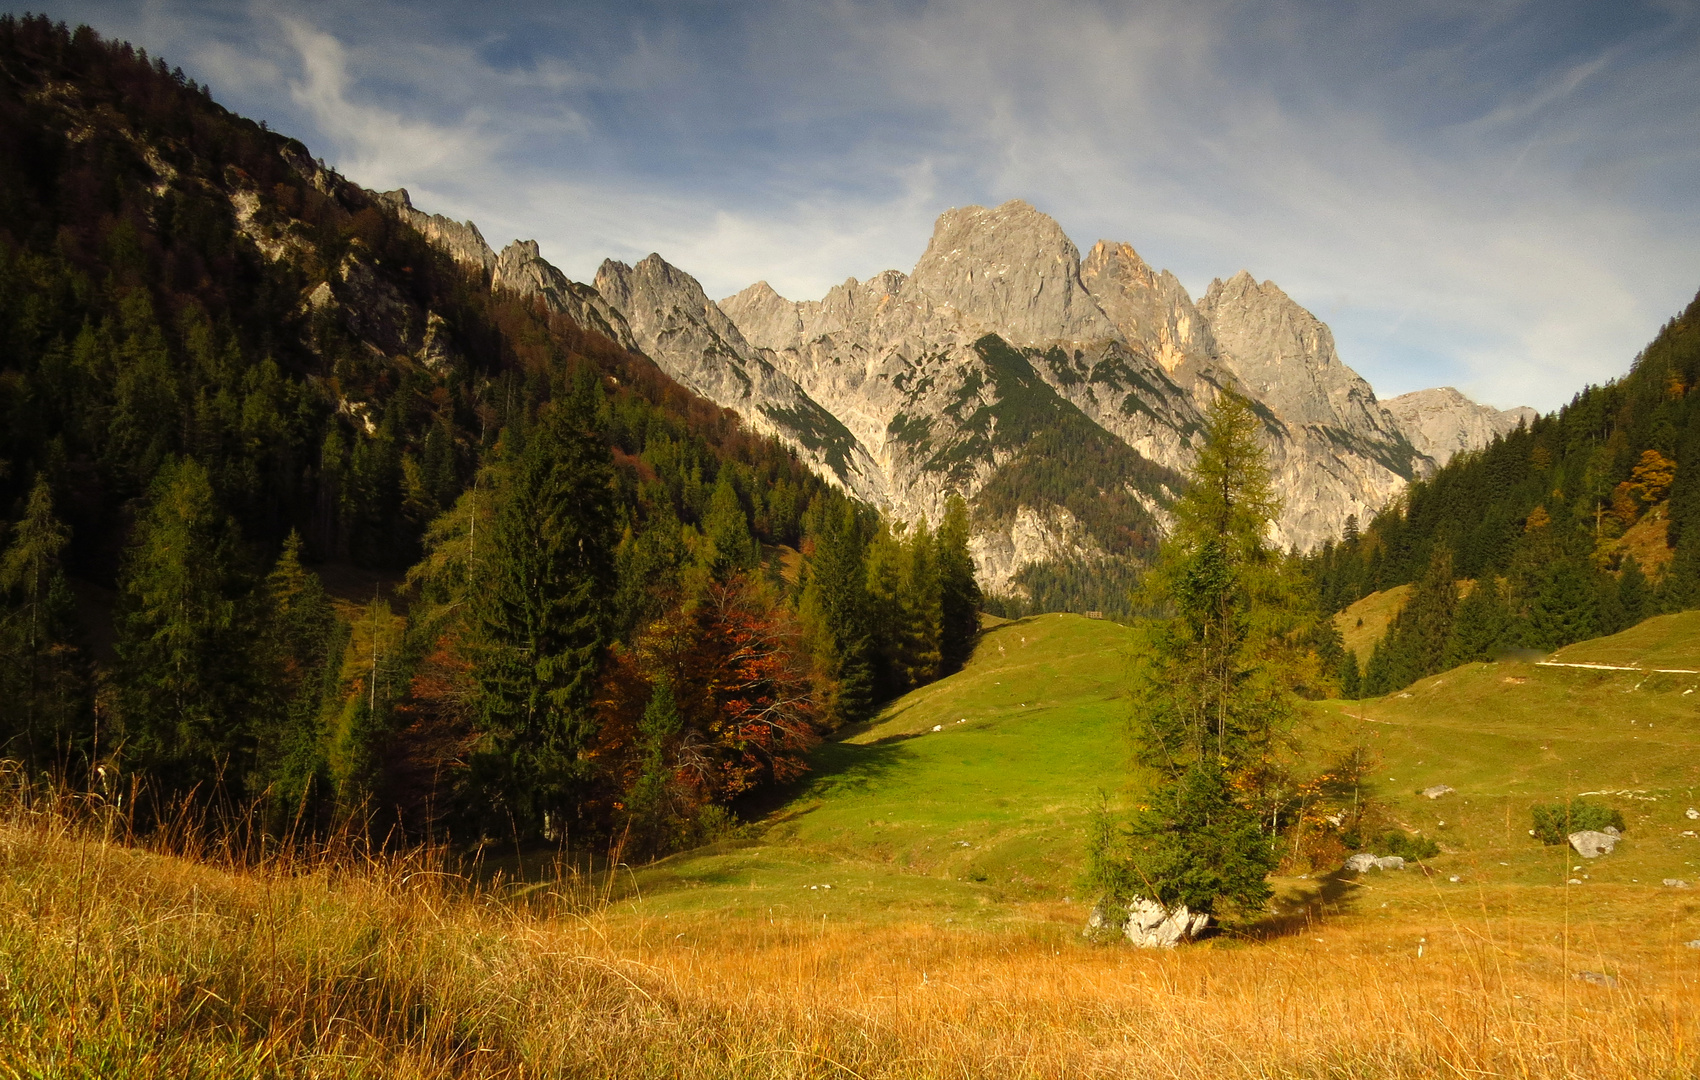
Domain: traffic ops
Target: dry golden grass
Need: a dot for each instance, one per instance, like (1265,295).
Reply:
(117,960)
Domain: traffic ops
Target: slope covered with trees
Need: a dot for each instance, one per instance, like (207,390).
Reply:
(608,607)
(1549,526)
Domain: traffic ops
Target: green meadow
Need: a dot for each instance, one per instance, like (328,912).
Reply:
(965,801)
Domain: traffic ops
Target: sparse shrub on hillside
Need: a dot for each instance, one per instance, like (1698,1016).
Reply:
(1555,822)
(1408,846)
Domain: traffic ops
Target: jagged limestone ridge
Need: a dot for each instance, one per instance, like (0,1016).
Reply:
(1443,422)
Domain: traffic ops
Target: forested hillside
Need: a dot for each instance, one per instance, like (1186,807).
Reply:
(599,606)
(1580,524)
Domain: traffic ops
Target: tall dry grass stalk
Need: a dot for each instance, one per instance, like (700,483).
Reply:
(130,959)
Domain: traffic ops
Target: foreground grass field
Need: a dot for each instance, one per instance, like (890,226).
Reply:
(948,942)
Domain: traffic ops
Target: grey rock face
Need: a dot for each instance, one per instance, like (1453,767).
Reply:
(1591,844)
(522,269)
(460,239)
(910,387)
(1437,791)
(1151,311)
(1011,270)
(1443,422)
(1390,862)
(1285,357)
(1362,862)
(675,324)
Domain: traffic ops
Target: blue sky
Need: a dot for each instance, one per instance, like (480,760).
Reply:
(1500,196)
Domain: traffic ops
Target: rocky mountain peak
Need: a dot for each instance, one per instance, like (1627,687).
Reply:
(1285,357)
(1014,271)
(1151,310)
(1443,422)
(460,239)
(768,320)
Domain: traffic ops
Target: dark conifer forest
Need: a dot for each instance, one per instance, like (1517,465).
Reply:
(299,515)
(1580,524)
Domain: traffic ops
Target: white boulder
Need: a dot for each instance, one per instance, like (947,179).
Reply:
(1591,844)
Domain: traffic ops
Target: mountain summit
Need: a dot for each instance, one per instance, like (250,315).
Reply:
(1062,396)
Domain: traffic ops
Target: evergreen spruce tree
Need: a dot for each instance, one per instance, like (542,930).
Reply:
(186,635)
(1212,697)
(959,592)
(653,806)
(1634,595)
(836,608)
(544,619)
(303,639)
(1480,625)
(1565,609)
(44,688)
(1351,681)
(731,548)
(1427,618)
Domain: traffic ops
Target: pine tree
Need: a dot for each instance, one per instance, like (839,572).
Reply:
(837,613)
(185,639)
(1565,609)
(1634,595)
(731,548)
(44,689)
(1427,618)
(1351,681)
(302,638)
(959,592)
(544,618)
(1212,696)
(653,805)
(1480,626)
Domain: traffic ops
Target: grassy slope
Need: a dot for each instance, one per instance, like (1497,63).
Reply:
(981,821)
(1664,641)
(1363,624)
(904,819)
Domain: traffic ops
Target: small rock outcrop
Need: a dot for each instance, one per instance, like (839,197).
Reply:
(1437,791)
(1150,925)
(1676,883)
(1145,923)
(1443,422)
(1591,844)
(1365,861)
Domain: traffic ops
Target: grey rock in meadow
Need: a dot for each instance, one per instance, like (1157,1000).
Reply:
(1692,814)
(1591,843)
(1676,883)
(1443,422)
(1362,862)
(1390,862)
(1437,791)
(1695,944)
(1150,925)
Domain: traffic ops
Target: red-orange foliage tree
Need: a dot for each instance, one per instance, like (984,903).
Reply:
(741,680)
